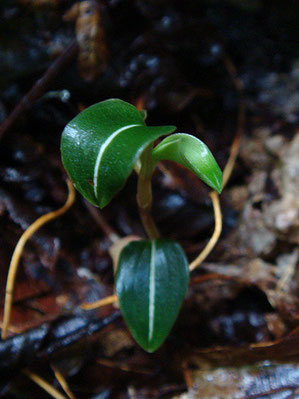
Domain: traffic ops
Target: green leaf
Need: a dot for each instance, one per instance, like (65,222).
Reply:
(151,283)
(101,145)
(192,153)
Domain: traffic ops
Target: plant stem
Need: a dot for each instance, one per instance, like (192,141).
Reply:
(144,193)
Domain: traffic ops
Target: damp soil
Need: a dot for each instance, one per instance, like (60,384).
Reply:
(190,64)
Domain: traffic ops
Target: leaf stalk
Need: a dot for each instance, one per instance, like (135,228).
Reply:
(144,193)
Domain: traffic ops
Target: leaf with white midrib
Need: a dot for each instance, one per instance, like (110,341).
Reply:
(101,152)
(152,277)
(101,145)
(152,291)
(193,154)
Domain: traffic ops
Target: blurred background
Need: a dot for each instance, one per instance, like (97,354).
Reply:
(215,69)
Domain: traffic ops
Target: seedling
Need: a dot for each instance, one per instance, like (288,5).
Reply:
(100,148)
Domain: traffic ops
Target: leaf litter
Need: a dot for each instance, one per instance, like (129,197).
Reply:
(237,334)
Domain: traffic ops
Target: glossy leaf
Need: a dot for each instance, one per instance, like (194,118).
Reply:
(101,145)
(151,283)
(192,153)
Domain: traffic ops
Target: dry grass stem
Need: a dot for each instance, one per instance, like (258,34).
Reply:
(44,385)
(64,385)
(109,300)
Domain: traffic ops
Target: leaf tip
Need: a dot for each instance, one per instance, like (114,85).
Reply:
(150,347)
(102,202)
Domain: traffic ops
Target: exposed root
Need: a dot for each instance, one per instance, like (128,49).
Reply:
(13,267)
(217,231)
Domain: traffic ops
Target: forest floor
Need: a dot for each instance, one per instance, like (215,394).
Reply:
(218,70)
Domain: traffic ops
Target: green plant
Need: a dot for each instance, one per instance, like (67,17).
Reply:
(100,148)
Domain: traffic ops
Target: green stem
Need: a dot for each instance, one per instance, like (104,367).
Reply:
(144,193)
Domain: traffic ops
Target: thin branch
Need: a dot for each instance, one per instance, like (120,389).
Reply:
(217,231)
(239,86)
(40,87)
(123,367)
(44,385)
(102,223)
(187,375)
(231,69)
(108,300)
(234,151)
(13,267)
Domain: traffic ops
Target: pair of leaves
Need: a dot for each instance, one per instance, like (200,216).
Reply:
(151,283)
(100,148)
(102,144)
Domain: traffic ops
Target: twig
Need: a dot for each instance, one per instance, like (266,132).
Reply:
(108,300)
(64,385)
(13,267)
(39,88)
(234,151)
(239,86)
(101,222)
(231,69)
(44,385)
(123,367)
(44,341)
(217,231)
(216,276)
(187,375)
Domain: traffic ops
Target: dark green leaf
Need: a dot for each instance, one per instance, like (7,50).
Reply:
(101,145)
(151,283)
(192,153)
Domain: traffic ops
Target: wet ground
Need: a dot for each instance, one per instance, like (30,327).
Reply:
(191,64)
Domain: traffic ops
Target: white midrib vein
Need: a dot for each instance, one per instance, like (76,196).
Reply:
(101,153)
(152,291)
